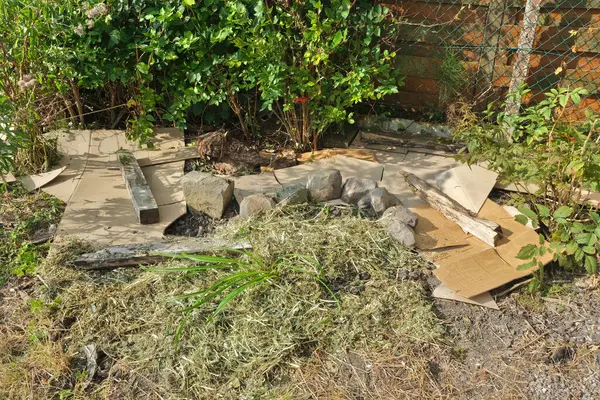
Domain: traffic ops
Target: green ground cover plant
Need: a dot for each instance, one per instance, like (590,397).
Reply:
(22,215)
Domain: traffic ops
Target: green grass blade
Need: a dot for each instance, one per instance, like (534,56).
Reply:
(219,287)
(239,290)
(200,258)
(187,269)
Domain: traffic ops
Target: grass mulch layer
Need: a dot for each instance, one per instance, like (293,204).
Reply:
(284,339)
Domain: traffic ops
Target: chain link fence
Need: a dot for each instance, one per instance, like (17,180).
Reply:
(479,50)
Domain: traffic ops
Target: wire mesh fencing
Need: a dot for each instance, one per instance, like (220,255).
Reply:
(479,50)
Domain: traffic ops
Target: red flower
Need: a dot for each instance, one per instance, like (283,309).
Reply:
(300,100)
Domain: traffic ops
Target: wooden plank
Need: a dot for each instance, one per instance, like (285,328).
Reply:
(151,253)
(143,201)
(485,230)
(526,41)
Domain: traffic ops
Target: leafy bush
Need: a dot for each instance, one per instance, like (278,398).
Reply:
(312,61)
(555,162)
(152,61)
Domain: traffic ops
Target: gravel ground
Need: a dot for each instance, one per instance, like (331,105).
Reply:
(533,348)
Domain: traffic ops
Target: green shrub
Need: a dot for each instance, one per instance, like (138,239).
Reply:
(157,61)
(556,162)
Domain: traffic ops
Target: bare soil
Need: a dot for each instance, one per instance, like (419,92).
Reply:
(535,347)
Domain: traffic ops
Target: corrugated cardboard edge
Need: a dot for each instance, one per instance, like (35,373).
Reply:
(483,299)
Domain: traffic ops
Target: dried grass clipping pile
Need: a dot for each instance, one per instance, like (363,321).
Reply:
(285,339)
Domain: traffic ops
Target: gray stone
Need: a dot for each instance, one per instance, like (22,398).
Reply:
(380,200)
(255,184)
(356,188)
(402,233)
(401,214)
(324,184)
(255,204)
(365,202)
(208,194)
(291,195)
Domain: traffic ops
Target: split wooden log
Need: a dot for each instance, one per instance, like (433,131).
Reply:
(487,231)
(143,201)
(151,253)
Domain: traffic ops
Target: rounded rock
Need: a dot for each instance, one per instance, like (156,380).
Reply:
(255,204)
(399,213)
(356,188)
(324,184)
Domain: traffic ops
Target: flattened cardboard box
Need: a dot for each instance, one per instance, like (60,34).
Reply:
(474,267)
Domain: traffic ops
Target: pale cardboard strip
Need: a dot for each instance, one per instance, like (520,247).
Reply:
(483,299)
(100,209)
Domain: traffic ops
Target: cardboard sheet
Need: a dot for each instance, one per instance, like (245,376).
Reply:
(7,178)
(33,182)
(74,147)
(477,268)
(425,166)
(483,299)
(100,209)
(395,183)
(470,186)
(348,166)
(255,184)
(359,154)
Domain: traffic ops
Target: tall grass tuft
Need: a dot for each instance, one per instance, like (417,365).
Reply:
(241,274)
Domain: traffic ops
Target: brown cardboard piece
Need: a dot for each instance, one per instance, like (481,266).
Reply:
(33,182)
(483,299)
(477,268)
(348,167)
(247,185)
(9,178)
(359,154)
(470,186)
(100,209)
(75,146)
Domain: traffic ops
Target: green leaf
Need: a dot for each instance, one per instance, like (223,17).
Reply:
(143,68)
(529,213)
(591,264)
(593,239)
(595,217)
(583,238)
(522,219)
(589,250)
(579,254)
(527,252)
(563,212)
(542,239)
(543,210)
(337,38)
(189,3)
(571,248)
(528,265)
